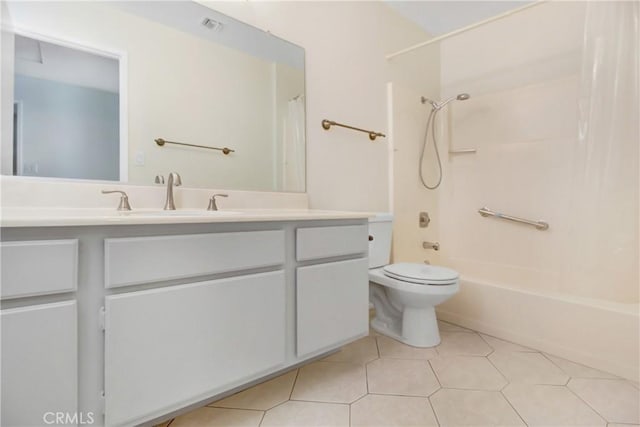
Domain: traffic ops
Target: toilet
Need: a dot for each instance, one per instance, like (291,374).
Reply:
(405,294)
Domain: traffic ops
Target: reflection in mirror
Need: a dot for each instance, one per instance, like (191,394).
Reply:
(191,75)
(66,112)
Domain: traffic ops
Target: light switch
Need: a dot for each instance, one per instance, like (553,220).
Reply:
(140,158)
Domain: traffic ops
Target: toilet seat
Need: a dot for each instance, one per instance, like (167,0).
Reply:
(422,274)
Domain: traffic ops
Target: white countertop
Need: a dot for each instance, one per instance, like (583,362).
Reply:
(64,217)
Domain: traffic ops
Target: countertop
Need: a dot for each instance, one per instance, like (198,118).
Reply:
(65,217)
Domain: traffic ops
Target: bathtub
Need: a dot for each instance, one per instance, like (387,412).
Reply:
(600,334)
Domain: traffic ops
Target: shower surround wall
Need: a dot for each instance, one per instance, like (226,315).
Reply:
(407,126)
(537,288)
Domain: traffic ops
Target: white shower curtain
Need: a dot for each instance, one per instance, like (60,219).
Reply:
(293,172)
(603,254)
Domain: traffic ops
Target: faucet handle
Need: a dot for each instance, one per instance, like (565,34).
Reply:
(159,179)
(175,178)
(212,202)
(124,199)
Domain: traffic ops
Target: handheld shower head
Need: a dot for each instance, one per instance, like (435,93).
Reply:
(431,123)
(439,105)
(459,97)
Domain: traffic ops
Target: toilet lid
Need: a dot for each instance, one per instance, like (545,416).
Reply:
(421,273)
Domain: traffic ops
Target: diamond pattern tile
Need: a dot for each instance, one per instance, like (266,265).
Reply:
(308,414)
(467,372)
(532,368)
(473,408)
(219,417)
(401,377)
(470,379)
(331,382)
(362,351)
(396,350)
(463,344)
(262,396)
(383,411)
(550,405)
(617,401)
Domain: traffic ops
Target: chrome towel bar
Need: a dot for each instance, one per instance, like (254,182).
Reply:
(540,225)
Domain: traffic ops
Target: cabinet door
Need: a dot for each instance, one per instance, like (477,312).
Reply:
(39,363)
(169,347)
(332,304)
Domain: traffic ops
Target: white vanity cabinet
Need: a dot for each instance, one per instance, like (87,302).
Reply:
(39,340)
(173,345)
(332,297)
(131,324)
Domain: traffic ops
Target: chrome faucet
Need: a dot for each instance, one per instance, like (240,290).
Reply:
(173,179)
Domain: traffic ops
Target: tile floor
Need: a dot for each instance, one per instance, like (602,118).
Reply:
(470,379)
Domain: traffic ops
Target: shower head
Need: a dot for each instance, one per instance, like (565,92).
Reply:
(439,105)
(459,97)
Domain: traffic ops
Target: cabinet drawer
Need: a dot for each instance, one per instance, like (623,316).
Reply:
(39,363)
(325,242)
(38,267)
(137,260)
(169,347)
(332,304)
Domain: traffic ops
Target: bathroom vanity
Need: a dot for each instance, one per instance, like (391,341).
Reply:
(125,319)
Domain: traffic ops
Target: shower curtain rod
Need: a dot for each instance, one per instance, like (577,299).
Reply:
(463,29)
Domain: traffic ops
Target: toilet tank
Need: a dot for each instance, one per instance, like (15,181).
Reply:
(380,227)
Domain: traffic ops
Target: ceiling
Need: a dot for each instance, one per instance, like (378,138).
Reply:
(442,16)
(75,66)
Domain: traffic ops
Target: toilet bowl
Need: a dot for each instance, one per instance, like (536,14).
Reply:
(405,294)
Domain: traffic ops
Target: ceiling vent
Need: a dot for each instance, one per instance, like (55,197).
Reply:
(212,24)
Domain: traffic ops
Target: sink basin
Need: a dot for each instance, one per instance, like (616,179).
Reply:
(181,212)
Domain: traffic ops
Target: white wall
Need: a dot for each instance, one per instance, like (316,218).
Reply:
(67,131)
(347,74)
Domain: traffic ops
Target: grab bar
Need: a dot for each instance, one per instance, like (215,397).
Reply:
(540,225)
(463,151)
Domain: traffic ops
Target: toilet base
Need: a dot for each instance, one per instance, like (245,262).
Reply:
(417,327)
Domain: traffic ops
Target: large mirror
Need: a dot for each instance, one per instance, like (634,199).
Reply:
(128,91)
